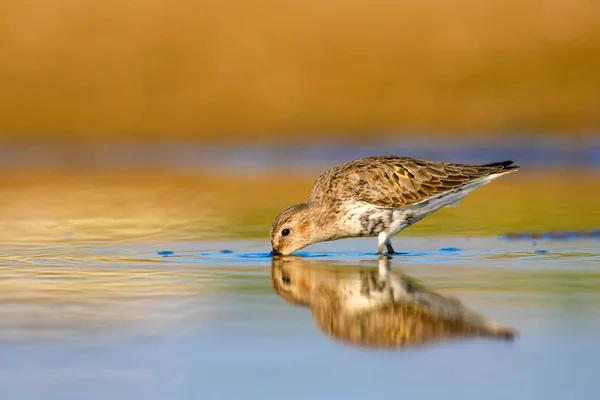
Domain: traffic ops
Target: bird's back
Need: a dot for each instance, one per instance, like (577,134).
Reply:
(397,181)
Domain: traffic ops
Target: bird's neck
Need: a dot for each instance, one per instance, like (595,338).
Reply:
(323,222)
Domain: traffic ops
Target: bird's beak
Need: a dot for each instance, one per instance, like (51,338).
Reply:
(274,253)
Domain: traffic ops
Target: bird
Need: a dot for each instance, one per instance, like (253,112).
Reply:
(377,307)
(379,197)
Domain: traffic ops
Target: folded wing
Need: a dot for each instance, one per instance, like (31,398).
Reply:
(401,181)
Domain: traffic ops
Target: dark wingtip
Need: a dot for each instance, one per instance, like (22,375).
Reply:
(506,165)
(498,164)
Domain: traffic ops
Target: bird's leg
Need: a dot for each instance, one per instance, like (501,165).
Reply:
(389,247)
(384,241)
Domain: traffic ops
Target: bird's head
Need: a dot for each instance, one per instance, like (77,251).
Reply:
(293,229)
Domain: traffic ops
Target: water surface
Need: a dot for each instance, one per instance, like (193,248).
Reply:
(190,320)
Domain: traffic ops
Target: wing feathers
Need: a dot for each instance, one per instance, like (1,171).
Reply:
(400,181)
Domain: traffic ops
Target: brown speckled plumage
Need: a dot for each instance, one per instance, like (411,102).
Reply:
(390,181)
(377,196)
(377,307)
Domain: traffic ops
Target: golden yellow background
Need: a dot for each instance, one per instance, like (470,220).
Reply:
(268,69)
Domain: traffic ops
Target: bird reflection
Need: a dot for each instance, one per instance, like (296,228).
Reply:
(377,308)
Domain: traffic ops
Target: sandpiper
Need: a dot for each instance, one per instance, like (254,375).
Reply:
(377,196)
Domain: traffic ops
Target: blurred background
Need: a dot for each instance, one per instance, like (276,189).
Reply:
(200,119)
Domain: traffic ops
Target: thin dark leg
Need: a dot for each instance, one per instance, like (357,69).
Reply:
(389,247)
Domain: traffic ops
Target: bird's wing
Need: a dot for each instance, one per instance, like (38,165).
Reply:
(400,181)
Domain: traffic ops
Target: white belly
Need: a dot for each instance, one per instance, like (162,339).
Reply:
(363,219)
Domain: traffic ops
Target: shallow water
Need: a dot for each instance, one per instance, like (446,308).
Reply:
(201,320)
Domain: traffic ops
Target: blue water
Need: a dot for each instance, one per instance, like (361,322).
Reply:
(192,321)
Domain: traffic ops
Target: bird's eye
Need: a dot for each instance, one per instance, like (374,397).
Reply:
(285,232)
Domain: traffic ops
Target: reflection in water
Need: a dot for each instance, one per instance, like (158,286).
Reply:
(376,307)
